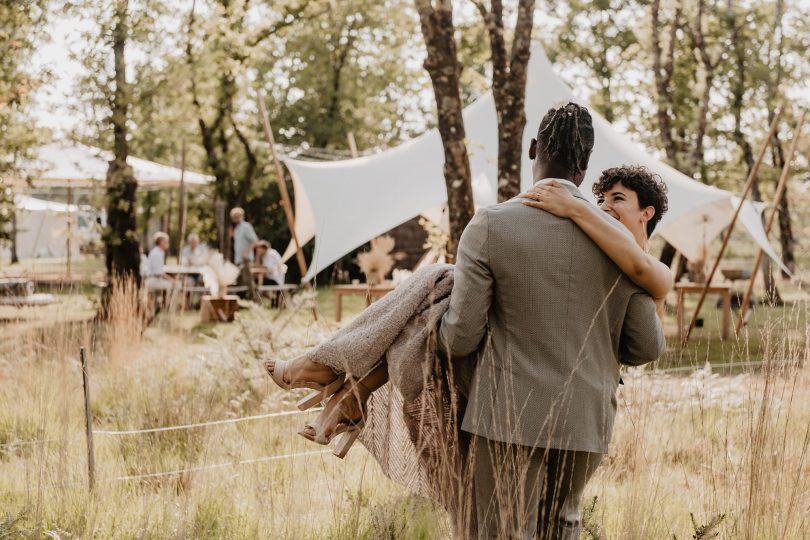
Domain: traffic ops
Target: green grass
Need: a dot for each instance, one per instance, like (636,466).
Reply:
(706,345)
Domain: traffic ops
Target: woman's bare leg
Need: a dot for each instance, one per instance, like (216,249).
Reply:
(304,370)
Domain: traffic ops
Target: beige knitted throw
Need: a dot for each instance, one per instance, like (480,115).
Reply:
(412,426)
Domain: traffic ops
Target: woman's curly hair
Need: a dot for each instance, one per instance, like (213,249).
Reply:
(649,186)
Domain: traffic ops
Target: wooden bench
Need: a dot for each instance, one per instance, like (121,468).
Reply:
(371,293)
(724,291)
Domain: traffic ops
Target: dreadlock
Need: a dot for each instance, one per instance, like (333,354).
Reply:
(565,137)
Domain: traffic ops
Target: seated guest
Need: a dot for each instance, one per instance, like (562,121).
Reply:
(194,253)
(156,278)
(271,259)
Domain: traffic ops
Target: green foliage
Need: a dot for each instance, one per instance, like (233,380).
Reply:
(21,26)
(600,39)
(345,70)
(607,47)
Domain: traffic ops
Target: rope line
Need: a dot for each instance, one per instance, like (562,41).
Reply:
(218,466)
(204,424)
(190,469)
(197,425)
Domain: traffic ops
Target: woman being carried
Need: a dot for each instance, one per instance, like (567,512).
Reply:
(632,195)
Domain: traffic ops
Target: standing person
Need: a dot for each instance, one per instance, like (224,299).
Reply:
(244,238)
(271,259)
(554,299)
(561,317)
(244,242)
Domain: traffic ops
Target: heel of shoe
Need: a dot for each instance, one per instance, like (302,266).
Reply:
(310,400)
(314,398)
(347,439)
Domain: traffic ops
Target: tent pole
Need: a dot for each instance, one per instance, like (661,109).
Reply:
(181,204)
(352,145)
(169,207)
(746,190)
(780,192)
(69,229)
(282,186)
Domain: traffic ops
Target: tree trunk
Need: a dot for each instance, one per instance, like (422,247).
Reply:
(445,72)
(738,88)
(668,254)
(509,88)
(121,236)
(698,155)
(14,257)
(786,238)
(663,70)
(221,228)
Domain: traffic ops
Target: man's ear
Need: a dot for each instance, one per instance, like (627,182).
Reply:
(533,149)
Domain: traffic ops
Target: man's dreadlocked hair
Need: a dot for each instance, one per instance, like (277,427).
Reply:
(565,137)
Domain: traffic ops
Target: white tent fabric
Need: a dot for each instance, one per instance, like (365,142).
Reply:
(343,204)
(42,228)
(60,163)
(30,204)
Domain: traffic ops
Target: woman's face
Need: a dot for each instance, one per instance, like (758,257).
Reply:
(622,204)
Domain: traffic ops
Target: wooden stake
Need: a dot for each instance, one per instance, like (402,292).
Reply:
(91,458)
(726,237)
(282,185)
(181,210)
(777,200)
(69,231)
(352,145)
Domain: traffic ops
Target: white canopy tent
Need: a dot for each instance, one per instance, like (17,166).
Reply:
(344,204)
(42,228)
(77,165)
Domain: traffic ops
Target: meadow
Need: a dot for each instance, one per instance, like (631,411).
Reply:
(697,452)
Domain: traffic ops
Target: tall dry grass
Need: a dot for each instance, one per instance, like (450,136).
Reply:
(177,372)
(692,456)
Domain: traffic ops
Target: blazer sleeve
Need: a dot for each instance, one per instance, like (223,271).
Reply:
(642,338)
(464,325)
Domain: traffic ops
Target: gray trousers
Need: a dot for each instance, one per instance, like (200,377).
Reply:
(524,492)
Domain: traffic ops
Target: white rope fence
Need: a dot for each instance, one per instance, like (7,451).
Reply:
(201,468)
(205,424)
(197,425)
(220,465)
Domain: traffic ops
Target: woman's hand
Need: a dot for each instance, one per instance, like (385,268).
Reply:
(553,198)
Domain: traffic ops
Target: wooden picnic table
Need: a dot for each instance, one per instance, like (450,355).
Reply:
(180,270)
(370,292)
(696,288)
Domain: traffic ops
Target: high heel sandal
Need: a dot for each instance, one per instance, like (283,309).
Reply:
(349,429)
(321,391)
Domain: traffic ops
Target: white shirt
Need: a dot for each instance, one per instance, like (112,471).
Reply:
(155,262)
(276,270)
(194,257)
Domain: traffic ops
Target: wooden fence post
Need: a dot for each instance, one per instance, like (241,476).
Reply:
(91,458)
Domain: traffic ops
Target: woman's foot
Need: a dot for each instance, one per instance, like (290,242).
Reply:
(300,373)
(344,411)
